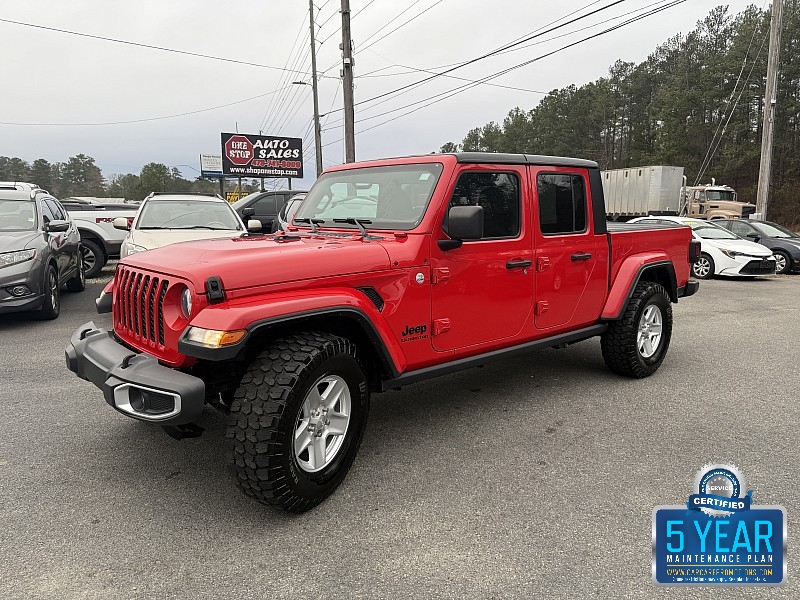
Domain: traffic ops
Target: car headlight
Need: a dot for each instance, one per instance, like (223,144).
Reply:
(129,248)
(12,258)
(186,303)
(732,253)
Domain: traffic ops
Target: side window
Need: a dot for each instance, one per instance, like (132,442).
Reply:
(562,203)
(265,205)
(56,209)
(47,213)
(739,228)
(498,194)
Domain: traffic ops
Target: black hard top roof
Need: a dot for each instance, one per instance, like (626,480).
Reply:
(523,159)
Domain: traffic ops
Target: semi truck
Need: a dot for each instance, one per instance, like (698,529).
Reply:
(662,190)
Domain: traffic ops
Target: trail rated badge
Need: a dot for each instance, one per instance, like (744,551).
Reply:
(719,537)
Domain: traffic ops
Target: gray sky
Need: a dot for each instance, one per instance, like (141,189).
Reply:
(52,77)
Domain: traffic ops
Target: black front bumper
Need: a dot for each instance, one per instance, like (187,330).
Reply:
(137,385)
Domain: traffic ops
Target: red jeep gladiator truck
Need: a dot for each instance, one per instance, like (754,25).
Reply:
(394,271)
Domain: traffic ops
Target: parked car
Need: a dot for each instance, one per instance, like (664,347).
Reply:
(784,243)
(264,206)
(100,240)
(287,213)
(40,251)
(721,252)
(166,218)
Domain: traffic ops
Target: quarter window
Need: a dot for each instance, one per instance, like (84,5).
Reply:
(47,213)
(498,194)
(562,203)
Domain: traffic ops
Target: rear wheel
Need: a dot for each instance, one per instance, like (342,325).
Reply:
(703,267)
(94,259)
(51,306)
(783,262)
(297,419)
(636,344)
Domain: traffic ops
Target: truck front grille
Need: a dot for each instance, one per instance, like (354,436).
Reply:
(139,306)
(748,210)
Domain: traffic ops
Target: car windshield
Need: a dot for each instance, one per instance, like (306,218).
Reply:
(712,232)
(775,230)
(187,214)
(720,195)
(392,197)
(17,216)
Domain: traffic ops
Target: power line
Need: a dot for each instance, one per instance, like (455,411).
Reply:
(140,45)
(144,120)
(445,95)
(488,54)
(400,26)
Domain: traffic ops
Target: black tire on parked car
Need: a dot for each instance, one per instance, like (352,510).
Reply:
(51,305)
(94,258)
(704,267)
(783,262)
(636,344)
(297,420)
(78,283)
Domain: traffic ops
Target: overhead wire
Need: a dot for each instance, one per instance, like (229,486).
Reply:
(445,95)
(141,45)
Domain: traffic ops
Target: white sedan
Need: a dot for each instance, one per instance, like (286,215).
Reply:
(169,218)
(721,252)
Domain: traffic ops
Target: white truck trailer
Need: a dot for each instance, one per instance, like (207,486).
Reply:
(643,191)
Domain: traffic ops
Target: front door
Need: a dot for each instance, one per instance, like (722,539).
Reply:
(482,292)
(571,262)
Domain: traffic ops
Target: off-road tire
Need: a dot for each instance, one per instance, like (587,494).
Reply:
(93,257)
(264,416)
(51,303)
(620,344)
(78,283)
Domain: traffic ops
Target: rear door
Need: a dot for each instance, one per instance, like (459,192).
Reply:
(571,261)
(482,292)
(266,209)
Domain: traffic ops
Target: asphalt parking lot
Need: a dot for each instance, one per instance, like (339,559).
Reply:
(534,477)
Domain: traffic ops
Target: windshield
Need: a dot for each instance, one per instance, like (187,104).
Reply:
(775,230)
(17,215)
(712,232)
(390,197)
(720,195)
(187,214)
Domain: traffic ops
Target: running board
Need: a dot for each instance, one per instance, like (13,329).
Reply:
(462,364)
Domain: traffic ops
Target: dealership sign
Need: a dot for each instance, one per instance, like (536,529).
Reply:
(211,165)
(247,155)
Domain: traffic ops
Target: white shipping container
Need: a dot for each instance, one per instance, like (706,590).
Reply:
(642,191)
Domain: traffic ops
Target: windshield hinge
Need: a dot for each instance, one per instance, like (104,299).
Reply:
(214,290)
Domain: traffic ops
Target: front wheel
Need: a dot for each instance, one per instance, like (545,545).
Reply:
(783,262)
(51,304)
(636,344)
(703,267)
(94,259)
(297,419)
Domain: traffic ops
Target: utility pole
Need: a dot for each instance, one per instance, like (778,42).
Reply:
(770,96)
(317,128)
(347,86)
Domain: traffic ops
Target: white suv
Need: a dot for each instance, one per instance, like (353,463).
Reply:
(166,218)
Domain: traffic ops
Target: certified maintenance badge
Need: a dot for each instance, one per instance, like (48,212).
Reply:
(719,537)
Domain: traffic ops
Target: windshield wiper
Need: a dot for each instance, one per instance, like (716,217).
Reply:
(310,221)
(203,227)
(360,223)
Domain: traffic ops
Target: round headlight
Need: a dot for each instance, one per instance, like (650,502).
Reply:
(186,303)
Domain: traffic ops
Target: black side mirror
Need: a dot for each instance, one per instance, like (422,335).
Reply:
(56,226)
(249,211)
(463,223)
(753,236)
